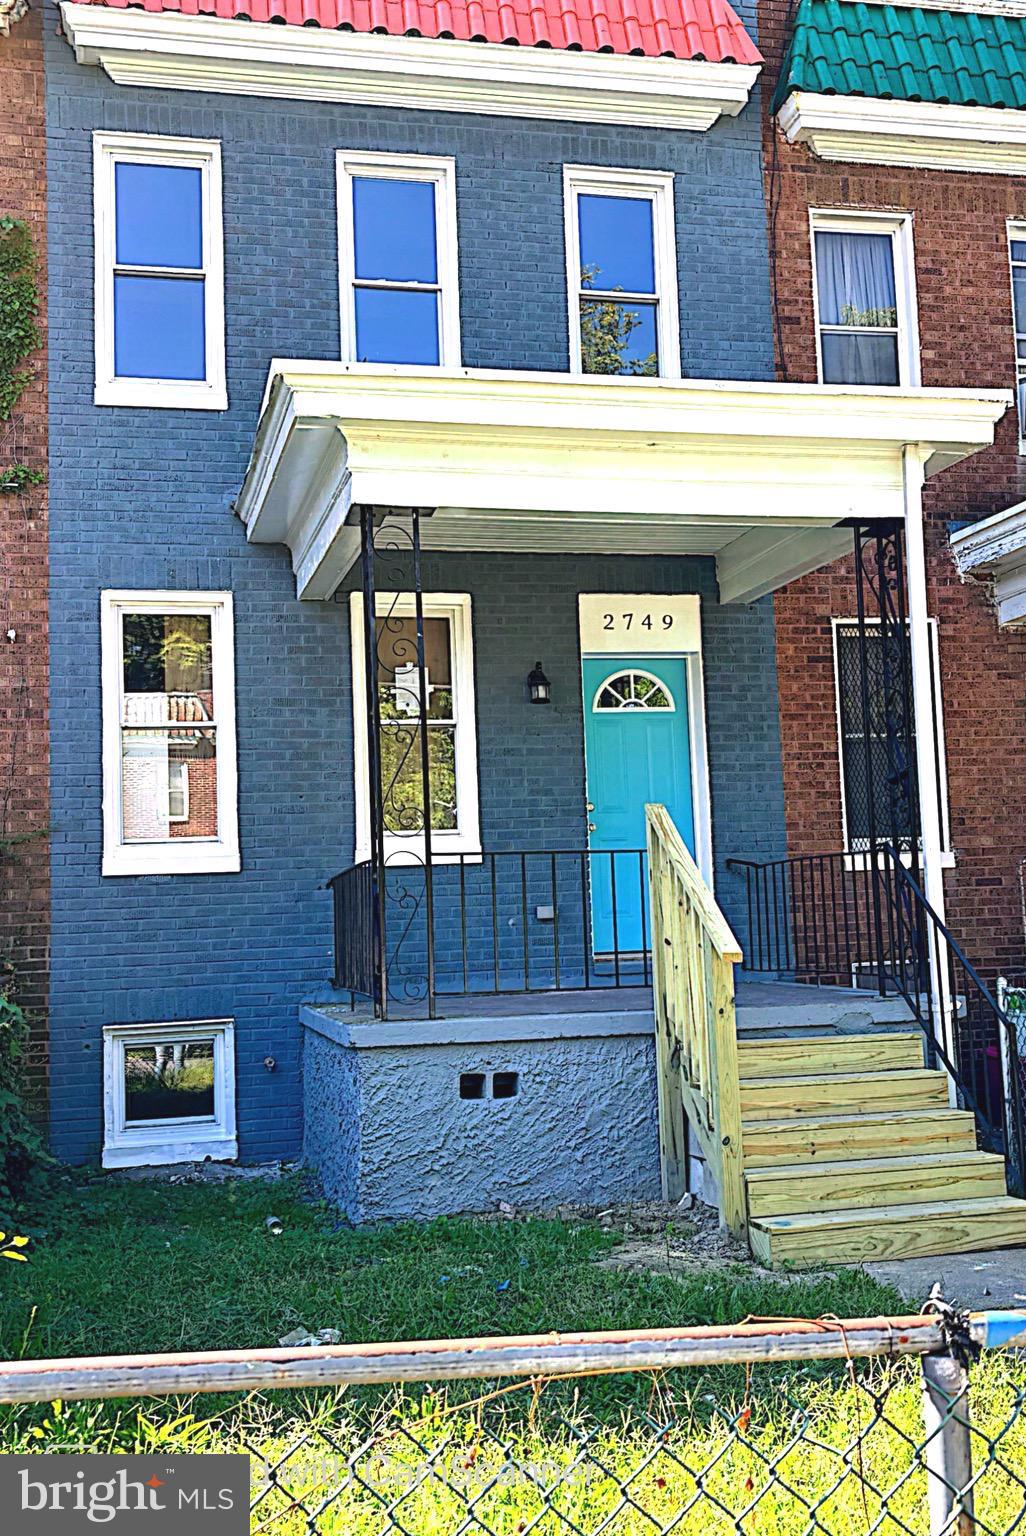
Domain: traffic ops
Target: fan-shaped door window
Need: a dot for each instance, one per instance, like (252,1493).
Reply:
(633,690)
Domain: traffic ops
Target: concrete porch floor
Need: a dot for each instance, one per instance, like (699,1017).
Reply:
(763,1007)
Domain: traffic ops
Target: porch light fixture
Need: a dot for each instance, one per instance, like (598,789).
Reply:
(538,686)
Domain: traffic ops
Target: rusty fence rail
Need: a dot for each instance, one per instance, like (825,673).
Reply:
(889,1424)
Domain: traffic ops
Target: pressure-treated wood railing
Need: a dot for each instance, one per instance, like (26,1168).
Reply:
(693,958)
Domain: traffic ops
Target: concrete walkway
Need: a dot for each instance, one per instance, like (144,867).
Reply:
(977,1281)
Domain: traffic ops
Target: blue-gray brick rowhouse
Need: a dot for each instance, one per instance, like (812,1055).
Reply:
(233,508)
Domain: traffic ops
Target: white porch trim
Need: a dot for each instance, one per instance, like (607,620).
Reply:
(250,58)
(997,547)
(867,130)
(759,475)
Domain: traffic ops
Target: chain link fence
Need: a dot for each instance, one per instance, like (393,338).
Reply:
(886,1425)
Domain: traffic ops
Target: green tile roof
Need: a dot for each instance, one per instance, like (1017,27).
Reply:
(907,53)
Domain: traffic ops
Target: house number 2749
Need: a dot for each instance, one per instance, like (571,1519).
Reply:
(638,620)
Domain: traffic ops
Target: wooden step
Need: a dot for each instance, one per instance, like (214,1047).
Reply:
(901,1232)
(834,1138)
(874,1182)
(825,1093)
(829,1053)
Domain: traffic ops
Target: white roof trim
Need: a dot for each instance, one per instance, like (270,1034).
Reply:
(996,547)
(248,58)
(866,130)
(620,464)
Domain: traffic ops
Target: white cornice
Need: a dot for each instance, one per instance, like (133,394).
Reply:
(208,53)
(543,460)
(865,130)
(996,548)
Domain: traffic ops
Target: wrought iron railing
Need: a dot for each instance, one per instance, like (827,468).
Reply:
(810,917)
(505,921)
(853,920)
(970,1033)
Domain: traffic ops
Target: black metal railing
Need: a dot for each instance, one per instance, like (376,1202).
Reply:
(852,919)
(809,917)
(352,894)
(970,1034)
(506,921)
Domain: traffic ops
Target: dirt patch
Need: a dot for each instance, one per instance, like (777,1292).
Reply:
(660,1237)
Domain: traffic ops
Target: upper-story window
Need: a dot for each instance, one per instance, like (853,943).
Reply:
(1017,257)
(169,771)
(159,302)
(864,288)
(621,272)
(398,278)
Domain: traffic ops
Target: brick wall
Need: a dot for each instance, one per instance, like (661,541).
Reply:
(24,770)
(966,339)
(143,498)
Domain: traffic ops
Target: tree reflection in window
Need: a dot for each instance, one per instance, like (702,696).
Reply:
(633,690)
(402,783)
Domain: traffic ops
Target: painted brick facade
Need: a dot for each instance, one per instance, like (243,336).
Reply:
(966,339)
(142,499)
(24,769)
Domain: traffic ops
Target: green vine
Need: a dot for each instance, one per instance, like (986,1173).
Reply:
(19,333)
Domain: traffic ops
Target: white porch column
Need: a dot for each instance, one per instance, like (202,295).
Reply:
(914,456)
(913,459)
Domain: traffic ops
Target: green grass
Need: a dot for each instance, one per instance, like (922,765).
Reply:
(126,1267)
(139,1267)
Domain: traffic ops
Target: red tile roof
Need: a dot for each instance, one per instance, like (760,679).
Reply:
(680,29)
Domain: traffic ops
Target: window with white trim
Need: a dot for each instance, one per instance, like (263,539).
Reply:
(159,278)
(169,755)
(168,1093)
(451,725)
(1017,262)
(621,272)
(855,743)
(398,267)
(865,305)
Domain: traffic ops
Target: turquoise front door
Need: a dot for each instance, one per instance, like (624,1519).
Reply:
(637,743)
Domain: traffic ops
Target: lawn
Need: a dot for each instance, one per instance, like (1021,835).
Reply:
(153,1266)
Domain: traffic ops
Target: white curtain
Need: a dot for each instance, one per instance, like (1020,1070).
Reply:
(855,276)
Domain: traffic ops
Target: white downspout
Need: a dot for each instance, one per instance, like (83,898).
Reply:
(914,456)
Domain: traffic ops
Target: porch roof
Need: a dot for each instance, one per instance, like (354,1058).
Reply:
(996,547)
(760,475)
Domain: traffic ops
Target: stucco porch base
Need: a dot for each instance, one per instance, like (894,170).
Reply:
(390,1137)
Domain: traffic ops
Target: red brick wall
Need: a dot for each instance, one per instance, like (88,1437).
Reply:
(965,321)
(24,763)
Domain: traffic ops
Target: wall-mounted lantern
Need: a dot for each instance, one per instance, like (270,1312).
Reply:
(538,686)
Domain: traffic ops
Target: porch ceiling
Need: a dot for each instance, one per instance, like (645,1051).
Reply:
(759,475)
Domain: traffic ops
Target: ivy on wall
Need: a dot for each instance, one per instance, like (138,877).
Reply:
(19,333)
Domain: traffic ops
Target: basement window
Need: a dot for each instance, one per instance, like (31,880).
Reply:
(169,1093)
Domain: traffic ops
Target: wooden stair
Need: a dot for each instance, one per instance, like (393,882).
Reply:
(852,1153)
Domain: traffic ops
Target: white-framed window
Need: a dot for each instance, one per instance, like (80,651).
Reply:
(398,258)
(1017,264)
(855,742)
(864,298)
(159,285)
(621,257)
(169,755)
(452,725)
(168,1093)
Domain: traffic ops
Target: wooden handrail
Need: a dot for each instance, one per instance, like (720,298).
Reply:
(694,953)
